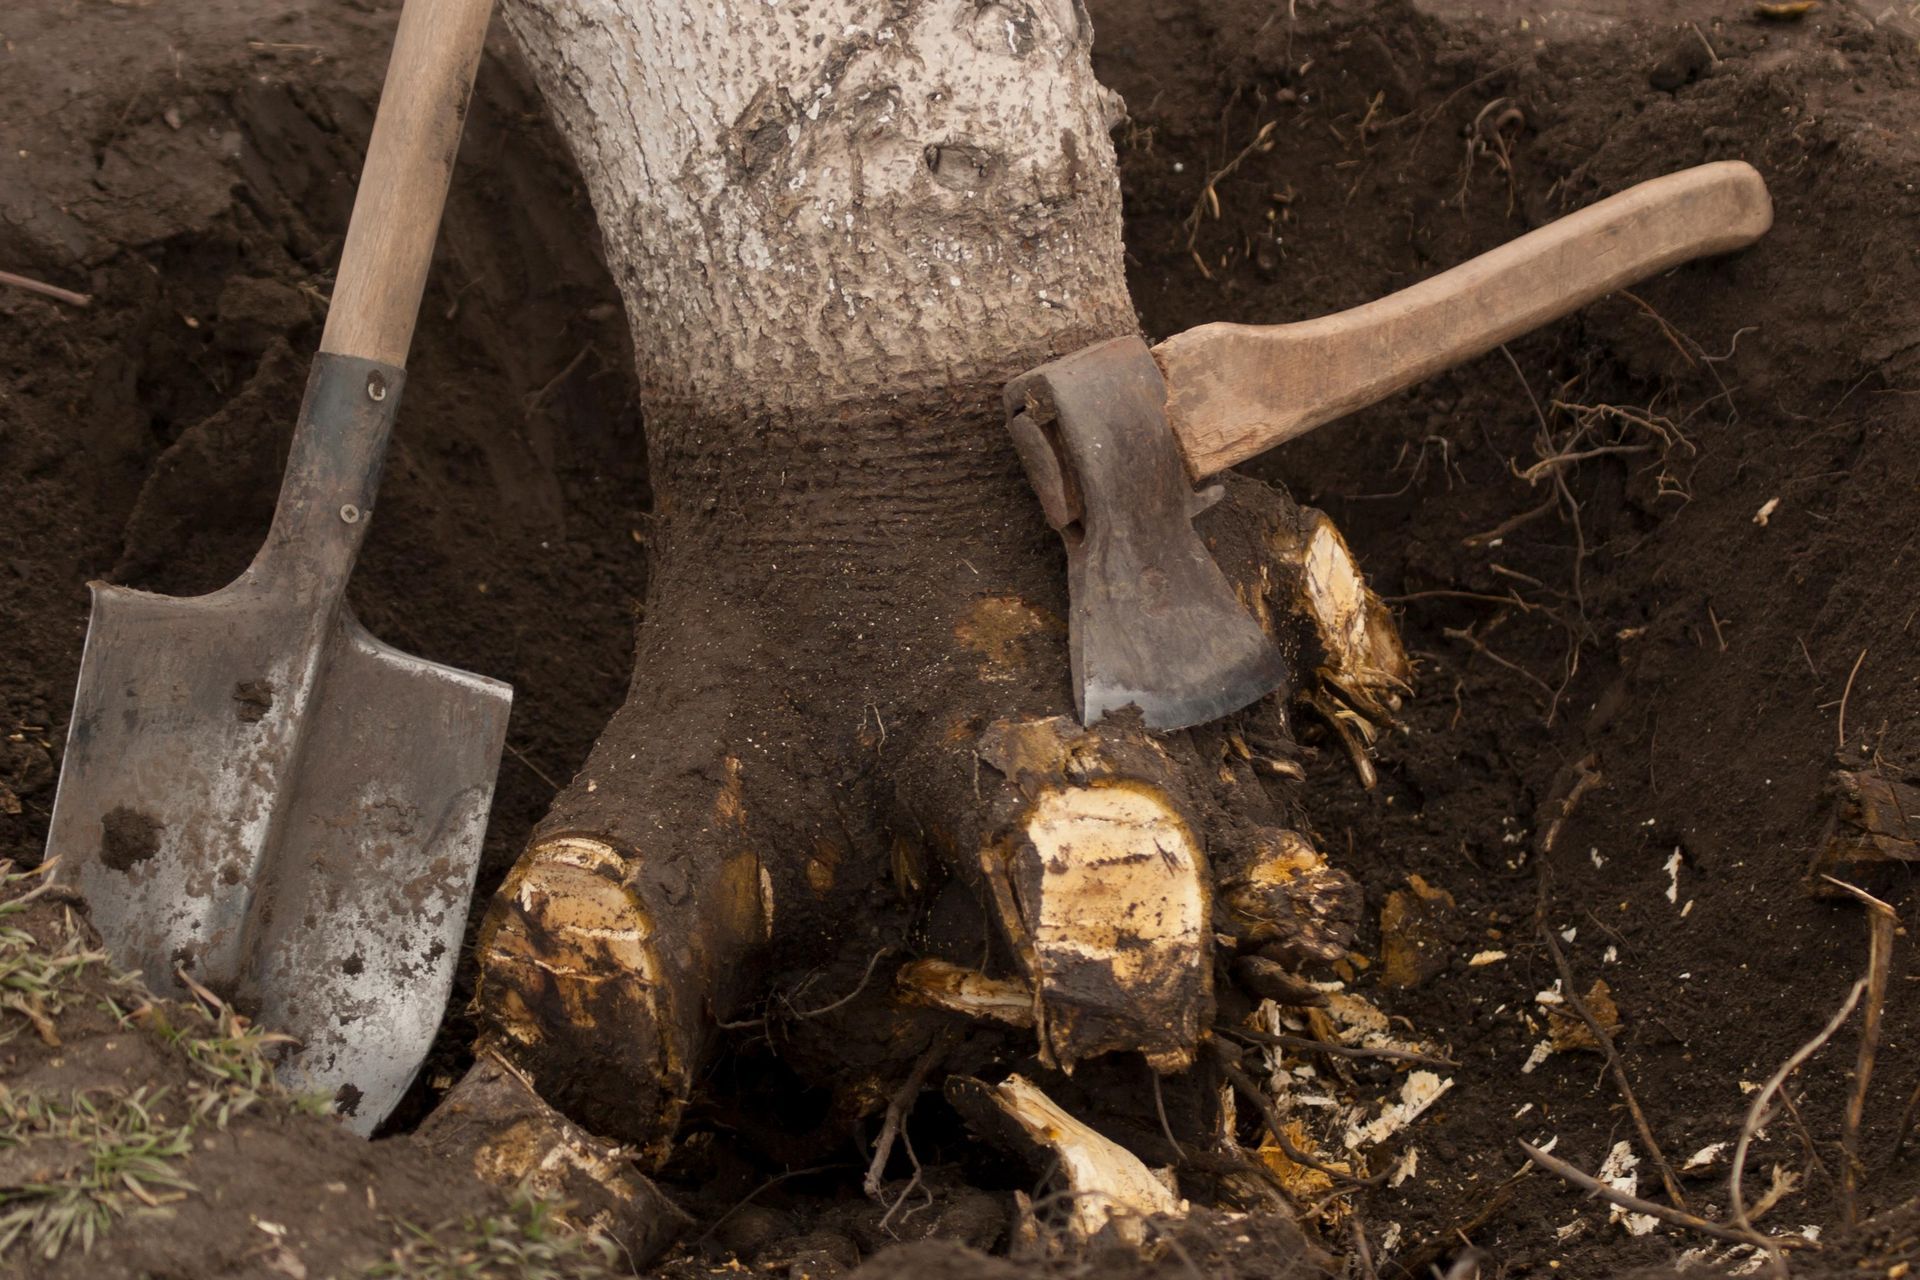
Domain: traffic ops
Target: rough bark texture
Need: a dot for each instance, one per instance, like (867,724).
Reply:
(820,202)
(836,234)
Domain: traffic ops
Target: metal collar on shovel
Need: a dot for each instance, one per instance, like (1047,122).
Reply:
(256,792)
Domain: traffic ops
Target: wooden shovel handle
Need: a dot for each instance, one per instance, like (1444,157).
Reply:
(396,212)
(1236,390)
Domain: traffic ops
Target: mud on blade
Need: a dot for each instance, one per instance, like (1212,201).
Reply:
(258,792)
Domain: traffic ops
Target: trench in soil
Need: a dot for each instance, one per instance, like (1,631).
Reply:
(1629,615)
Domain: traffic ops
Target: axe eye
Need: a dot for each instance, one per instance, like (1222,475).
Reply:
(1040,454)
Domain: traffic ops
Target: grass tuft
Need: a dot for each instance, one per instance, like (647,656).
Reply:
(70,1167)
(527,1241)
(37,982)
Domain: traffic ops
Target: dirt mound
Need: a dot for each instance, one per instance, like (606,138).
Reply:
(1649,559)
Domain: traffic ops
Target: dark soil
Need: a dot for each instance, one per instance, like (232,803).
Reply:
(1713,651)
(192,171)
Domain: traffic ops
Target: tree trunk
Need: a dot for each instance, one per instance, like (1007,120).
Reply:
(837,233)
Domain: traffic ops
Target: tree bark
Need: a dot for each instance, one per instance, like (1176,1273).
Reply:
(810,206)
(837,232)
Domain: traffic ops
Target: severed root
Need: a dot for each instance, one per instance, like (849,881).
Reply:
(1875,822)
(940,984)
(593,967)
(1300,580)
(1100,884)
(1091,866)
(569,944)
(1278,893)
(1106,1186)
(494,1121)
(1357,651)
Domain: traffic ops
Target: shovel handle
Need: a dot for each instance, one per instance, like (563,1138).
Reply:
(1236,390)
(403,186)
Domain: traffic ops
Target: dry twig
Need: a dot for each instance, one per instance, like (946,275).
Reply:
(1634,1204)
(1881,922)
(1570,988)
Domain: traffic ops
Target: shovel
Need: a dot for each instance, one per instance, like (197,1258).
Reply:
(259,797)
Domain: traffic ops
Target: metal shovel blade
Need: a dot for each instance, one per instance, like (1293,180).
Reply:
(259,793)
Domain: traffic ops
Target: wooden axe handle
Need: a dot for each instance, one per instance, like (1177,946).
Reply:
(1236,390)
(396,212)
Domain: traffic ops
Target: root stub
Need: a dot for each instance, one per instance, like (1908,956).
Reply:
(494,1121)
(1105,1185)
(581,992)
(1100,884)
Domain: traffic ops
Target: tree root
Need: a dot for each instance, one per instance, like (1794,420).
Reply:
(495,1123)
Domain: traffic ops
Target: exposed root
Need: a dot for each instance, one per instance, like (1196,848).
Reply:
(1881,924)
(1757,1113)
(1308,1044)
(45,290)
(898,1106)
(1847,694)
(786,1007)
(1208,202)
(1479,646)
(1243,1084)
(1587,776)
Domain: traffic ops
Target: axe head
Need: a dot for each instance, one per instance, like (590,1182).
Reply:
(1153,623)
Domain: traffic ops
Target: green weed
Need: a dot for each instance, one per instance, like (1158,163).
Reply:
(526,1242)
(74,1165)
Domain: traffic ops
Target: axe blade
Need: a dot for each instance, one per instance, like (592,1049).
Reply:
(1153,623)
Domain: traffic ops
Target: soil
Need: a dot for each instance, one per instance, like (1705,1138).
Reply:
(1636,656)
(1692,652)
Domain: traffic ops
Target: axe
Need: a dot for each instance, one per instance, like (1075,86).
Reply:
(1116,437)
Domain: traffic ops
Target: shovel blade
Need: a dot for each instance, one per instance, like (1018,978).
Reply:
(260,794)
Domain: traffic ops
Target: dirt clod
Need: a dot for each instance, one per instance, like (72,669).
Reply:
(128,837)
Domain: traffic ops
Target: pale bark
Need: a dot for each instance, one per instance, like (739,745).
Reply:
(811,202)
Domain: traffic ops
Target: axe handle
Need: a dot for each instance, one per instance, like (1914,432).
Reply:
(1236,390)
(403,186)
